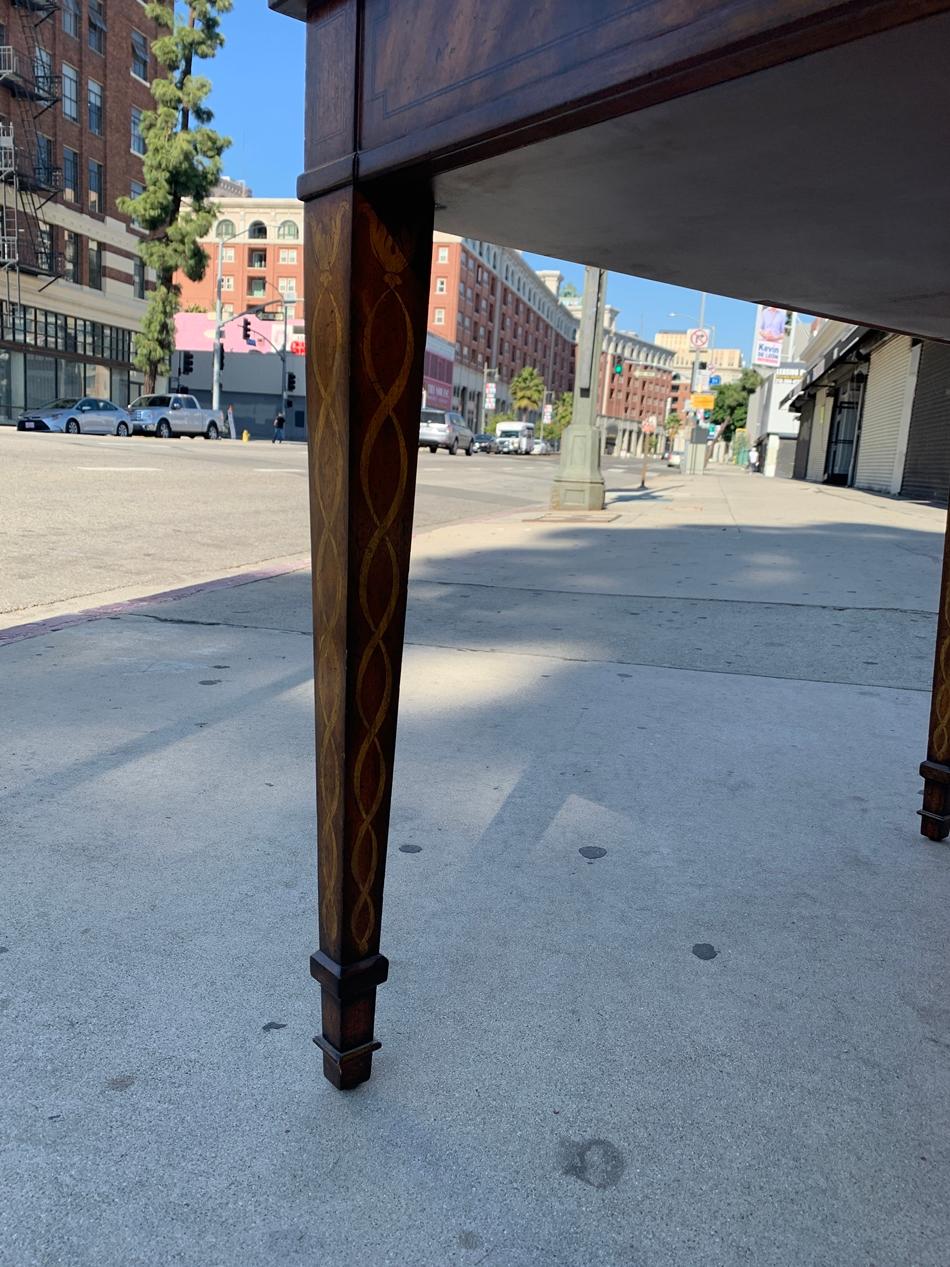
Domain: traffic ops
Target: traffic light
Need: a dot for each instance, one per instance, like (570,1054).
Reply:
(618,366)
(187,363)
(291,382)
(220,356)
(289,403)
(246,328)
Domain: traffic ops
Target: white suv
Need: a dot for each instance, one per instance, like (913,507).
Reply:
(444,429)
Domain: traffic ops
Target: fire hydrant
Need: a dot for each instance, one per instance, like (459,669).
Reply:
(245,436)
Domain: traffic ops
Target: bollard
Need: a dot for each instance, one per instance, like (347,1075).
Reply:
(245,436)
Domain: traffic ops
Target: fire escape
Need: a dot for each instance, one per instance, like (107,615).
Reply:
(28,178)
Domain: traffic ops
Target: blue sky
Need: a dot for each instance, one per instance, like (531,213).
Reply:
(258,102)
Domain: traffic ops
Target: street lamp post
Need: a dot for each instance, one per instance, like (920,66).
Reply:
(219,322)
(286,305)
(579,484)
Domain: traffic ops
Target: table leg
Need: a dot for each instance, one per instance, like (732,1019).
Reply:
(935,813)
(368,255)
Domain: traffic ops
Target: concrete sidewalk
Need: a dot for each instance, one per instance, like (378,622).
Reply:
(724,1039)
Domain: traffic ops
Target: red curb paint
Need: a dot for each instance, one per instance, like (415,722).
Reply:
(16,633)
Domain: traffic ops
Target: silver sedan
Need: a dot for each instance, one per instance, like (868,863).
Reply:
(89,415)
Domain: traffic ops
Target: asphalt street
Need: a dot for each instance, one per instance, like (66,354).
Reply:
(87,520)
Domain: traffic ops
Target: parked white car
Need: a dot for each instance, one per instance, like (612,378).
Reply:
(88,415)
(445,429)
(175,415)
(541,446)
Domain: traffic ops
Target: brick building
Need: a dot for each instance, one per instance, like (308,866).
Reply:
(502,316)
(261,246)
(73,84)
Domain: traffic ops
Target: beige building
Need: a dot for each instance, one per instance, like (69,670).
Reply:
(726,362)
(261,245)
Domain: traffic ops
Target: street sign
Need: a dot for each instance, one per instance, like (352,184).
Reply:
(702,400)
(698,338)
(298,347)
(715,380)
(548,414)
(490,395)
(648,428)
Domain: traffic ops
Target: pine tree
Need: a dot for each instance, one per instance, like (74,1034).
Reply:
(182,165)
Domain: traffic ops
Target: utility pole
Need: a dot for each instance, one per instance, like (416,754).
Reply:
(218,328)
(696,449)
(579,484)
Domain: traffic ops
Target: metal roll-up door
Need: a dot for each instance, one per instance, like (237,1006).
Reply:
(818,445)
(887,385)
(804,438)
(927,467)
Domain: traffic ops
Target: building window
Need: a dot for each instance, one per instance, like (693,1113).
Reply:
(71,255)
(227,283)
(227,311)
(94,256)
(136,190)
(72,18)
(443,255)
(287,230)
(139,56)
(44,161)
(288,255)
(287,287)
(224,229)
(138,140)
(227,254)
(440,316)
(440,285)
(70,175)
(138,279)
(257,259)
(258,229)
(256,287)
(97,27)
(94,102)
(95,186)
(42,71)
(70,94)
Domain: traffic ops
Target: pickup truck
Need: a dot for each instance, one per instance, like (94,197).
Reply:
(175,415)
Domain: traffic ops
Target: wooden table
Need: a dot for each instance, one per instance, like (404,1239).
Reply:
(785,151)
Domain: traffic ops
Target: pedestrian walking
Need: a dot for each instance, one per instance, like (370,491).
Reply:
(753,459)
(278,429)
(232,428)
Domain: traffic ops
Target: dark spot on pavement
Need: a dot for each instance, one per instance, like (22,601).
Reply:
(121,1083)
(596,1162)
(468,1240)
(209,681)
(266,784)
(273,1025)
(4,950)
(53,1117)
(591,851)
(220,666)
(703,950)
(624,675)
(410,849)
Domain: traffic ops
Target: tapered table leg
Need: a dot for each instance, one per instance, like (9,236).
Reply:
(368,254)
(935,813)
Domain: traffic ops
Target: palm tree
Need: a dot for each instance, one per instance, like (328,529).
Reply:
(527,390)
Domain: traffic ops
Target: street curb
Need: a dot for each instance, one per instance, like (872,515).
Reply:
(52,624)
